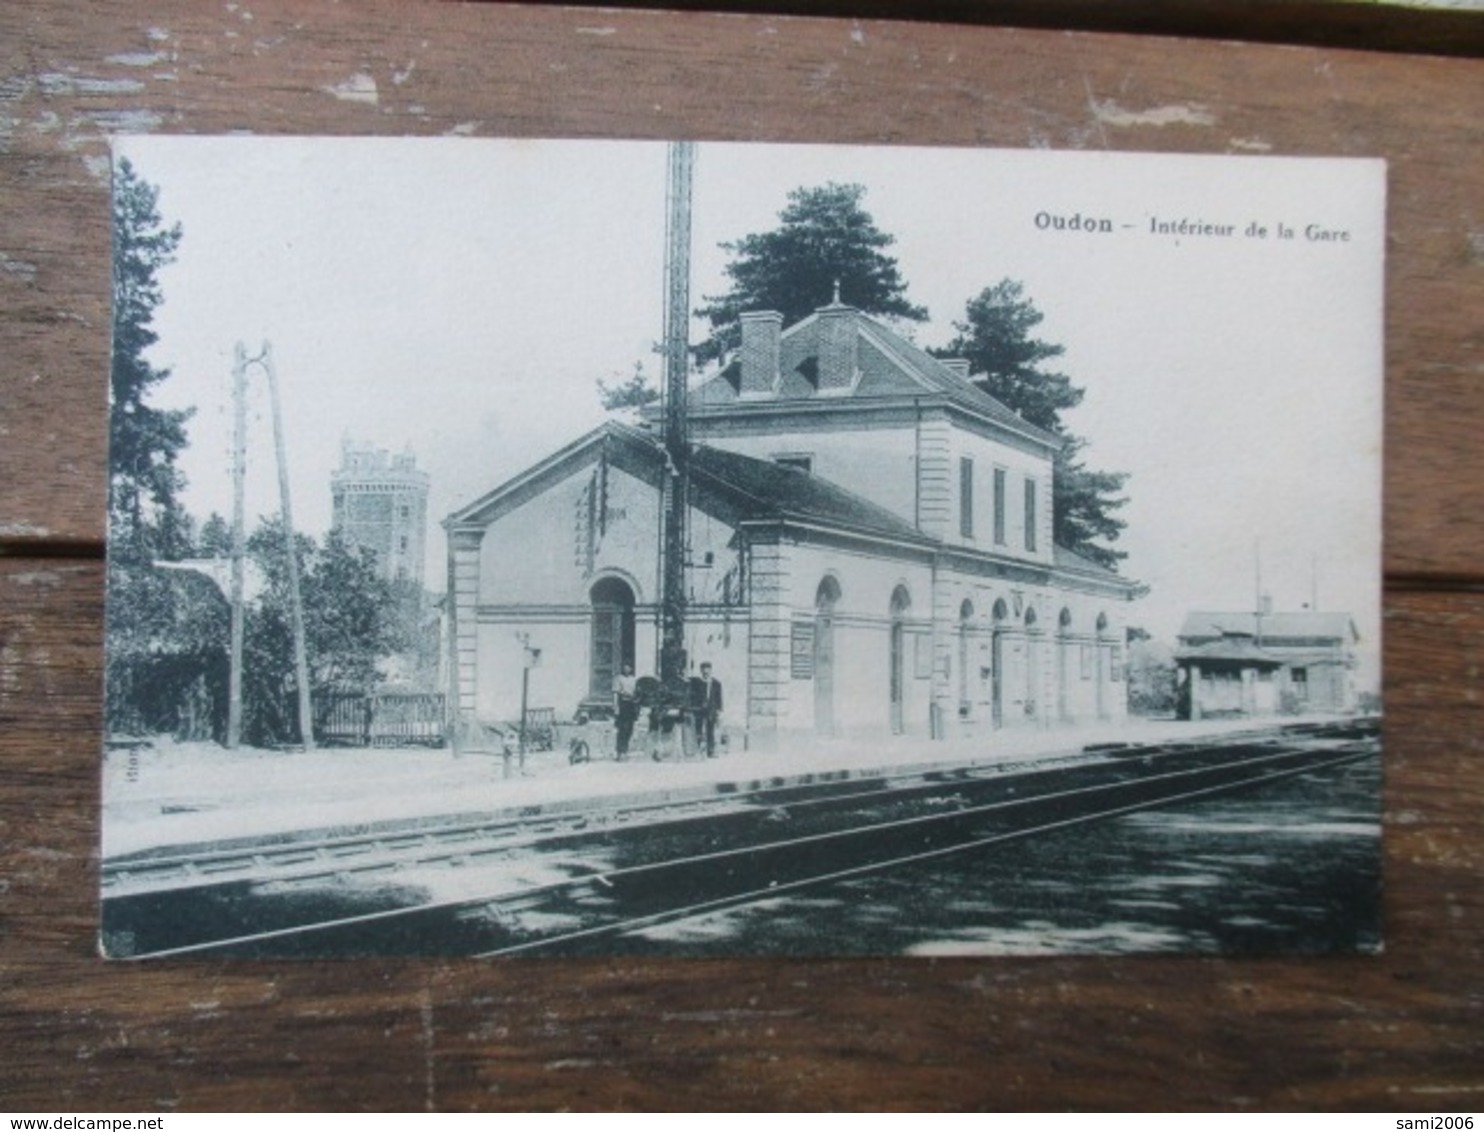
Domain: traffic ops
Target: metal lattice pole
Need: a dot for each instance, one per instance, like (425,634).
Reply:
(677,453)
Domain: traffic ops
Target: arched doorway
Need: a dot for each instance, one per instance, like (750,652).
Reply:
(900,603)
(612,644)
(997,664)
(965,656)
(826,597)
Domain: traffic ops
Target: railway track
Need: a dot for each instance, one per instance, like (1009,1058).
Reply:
(566,885)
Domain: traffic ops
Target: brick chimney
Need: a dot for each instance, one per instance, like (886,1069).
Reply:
(761,331)
(837,346)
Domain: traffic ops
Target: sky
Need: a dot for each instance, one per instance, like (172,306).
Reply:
(463,297)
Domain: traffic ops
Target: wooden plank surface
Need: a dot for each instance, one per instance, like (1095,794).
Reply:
(1399,1031)
(176,67)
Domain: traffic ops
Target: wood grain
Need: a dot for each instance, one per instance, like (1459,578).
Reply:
(1369,26)
(1399,1031)
(509,70)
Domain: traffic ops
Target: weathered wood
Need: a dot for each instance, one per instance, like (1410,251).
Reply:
(1396,1031)
(1401,1030)
(1415,29)
(72,74)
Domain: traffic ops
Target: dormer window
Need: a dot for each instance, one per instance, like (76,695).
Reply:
(802,461)
(808,369)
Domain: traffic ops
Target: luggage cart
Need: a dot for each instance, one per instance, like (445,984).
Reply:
(590,739)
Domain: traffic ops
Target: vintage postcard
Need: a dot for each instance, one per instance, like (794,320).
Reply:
(597,547)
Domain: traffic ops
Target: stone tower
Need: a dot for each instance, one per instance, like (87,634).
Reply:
(381,503)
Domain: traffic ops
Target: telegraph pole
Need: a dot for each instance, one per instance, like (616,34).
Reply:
(240,363)
(239,543)
(676,496)
(296,600)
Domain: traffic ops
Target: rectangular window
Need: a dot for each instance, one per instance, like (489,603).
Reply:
(966,497)
(999,506)
(1030,514)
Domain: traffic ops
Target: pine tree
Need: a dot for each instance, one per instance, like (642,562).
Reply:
(997,338)
(825,238)
(633,393)
(145,517)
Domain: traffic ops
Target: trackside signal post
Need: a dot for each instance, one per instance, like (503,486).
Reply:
(676,490)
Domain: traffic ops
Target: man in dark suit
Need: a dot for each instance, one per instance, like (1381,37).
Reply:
(705,706)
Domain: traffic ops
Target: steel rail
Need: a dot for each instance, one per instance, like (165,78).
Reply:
(216,866)
(873,828)
(738,900)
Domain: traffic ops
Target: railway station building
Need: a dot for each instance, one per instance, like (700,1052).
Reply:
(1266,663)
(869,554)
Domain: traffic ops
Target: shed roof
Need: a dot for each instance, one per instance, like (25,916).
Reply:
(1306,624)
(750,489)
(1235,649)
(1065,558)
(763,489)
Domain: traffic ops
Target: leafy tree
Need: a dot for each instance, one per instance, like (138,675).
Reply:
(634,393)
(997,337)
(824,238)
(349,621)
(215,538)
(167,661)
(1151,676)
(414,637)
(145,517)
(348,628)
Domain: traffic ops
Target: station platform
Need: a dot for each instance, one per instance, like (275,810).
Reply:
(165,793)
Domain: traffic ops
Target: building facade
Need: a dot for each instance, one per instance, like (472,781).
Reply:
(870,553)
(380,502)
(1265,664)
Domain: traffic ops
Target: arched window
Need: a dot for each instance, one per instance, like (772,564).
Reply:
(901,601)
(826,597)
(1000,615)
(1063,665)
(1100,672)
(965,655)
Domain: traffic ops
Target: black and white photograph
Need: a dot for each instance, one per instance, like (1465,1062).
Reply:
(567,548)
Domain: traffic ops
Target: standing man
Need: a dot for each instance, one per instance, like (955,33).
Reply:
(705,698)
(625,708)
